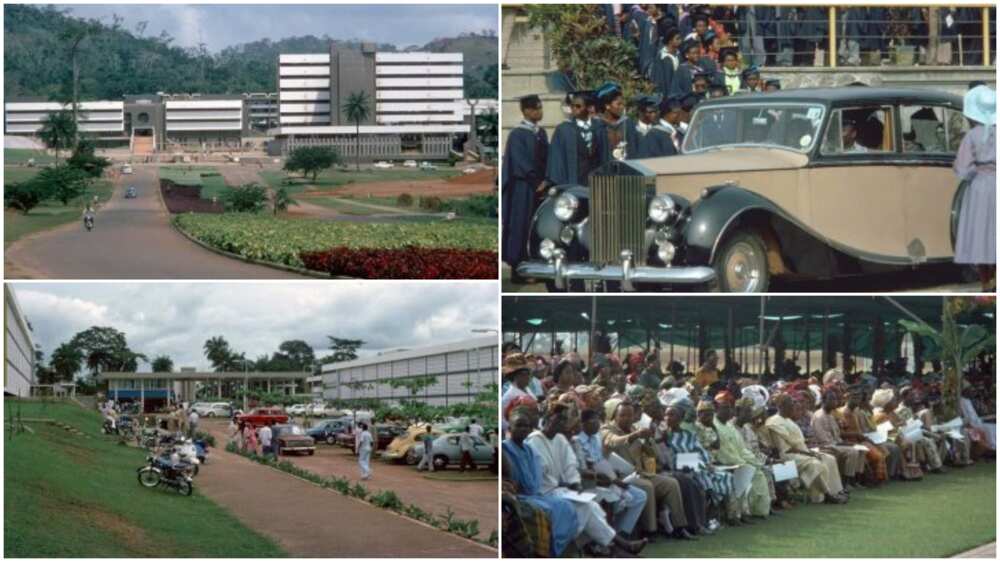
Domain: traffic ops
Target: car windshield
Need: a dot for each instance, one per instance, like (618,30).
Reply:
(792,126)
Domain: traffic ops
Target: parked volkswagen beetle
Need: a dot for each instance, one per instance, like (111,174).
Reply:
(802,184)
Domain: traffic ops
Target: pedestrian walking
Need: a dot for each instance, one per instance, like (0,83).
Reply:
(465,444)
(193,419)
(364,449)
(976,163)
(427,461)
(265,440)
(249,439)
(475,429)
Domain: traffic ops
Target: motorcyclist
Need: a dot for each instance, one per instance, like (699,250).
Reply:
(88,218)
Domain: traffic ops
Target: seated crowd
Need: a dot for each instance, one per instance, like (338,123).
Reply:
(601,460)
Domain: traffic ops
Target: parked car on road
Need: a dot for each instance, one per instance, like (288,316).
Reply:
(401,448)
(327,430)
(427,166)
(214,409)
(296,410)
(126,168)
(807,183)
(410,164)
(264,416)
(383,165)
(446,451)
(291,438)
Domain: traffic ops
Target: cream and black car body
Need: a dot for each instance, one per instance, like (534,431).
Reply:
(766,185)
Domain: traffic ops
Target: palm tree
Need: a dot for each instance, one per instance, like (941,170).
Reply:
(217,351)
(162,364)
(357,108)
(65,361)
(58,131)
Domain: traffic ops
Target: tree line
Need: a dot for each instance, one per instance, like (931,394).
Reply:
(43,45)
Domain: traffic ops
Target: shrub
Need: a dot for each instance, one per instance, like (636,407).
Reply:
(249,198)
(404,200)
(359,491)
(22,196)
(210,174)
(431,203)
(386,499)
(406,263)
(208,438)
(85,160)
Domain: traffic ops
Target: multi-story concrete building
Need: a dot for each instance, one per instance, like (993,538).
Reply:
(462,369)
(262,110)
(19,348)
(416,102)
(104,120)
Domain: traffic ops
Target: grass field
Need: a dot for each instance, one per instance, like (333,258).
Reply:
(211,186)
(361,207)
(937,517)
(335,178)
(18,174)
(51,214)
(67,496)
(21,156)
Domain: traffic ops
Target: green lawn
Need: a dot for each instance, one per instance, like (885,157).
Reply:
(51,214)
(937,517)
(347,206)
(21,156)
(211,186)
(68,496)
(18,174)
(333,178)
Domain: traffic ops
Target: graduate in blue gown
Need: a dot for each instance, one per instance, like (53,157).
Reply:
(526,471)
(651,142)
(670,121)
(666,62)
(619,127)
(579,145)
(649,39)
(690,56)
(524,161)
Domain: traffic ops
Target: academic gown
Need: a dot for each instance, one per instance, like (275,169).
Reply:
(563,161)
(683,78)
(656,142)
(625,128)
(524,162)
(662,74)
(649,43)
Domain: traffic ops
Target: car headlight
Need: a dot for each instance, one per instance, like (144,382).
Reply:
(662,208)
(546,249)
(566,235)
(666,252)
(566,206)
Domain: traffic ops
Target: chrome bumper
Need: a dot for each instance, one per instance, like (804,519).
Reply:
(559,271)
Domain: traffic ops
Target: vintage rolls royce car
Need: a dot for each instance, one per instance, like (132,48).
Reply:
(802,184)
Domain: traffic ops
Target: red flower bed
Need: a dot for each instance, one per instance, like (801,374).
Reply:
(186,199)
(410,262)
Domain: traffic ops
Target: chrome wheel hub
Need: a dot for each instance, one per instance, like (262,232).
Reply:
(743,269)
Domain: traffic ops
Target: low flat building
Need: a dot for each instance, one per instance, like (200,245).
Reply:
(18,349)
(416,103)
(104,121)
(155,390)
(462,370)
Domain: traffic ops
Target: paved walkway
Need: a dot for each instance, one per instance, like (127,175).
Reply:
(132,239)
(311,522)
(985,551)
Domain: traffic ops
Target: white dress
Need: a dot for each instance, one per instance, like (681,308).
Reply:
(976,241)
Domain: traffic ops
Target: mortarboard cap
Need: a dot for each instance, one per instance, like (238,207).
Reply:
(642,102)
(751,70)
(530,102)
(607,90)
(673,103)
(774,82)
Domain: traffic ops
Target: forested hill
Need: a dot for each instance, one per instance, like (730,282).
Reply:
(115,61)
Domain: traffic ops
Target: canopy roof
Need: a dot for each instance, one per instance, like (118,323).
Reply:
(674,319)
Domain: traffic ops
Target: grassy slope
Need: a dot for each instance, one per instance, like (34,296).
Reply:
(21,156)
(330,179)
(66,496)
(211,186)
(50,214)
(939,516)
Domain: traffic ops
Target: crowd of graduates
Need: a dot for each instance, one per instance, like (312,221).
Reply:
(603,459)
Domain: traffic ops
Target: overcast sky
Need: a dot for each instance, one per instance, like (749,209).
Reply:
(175,319)
(223,25)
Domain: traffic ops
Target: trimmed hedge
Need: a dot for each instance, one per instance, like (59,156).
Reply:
(409,262)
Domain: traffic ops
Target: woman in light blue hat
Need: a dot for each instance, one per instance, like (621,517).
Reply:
(976,163)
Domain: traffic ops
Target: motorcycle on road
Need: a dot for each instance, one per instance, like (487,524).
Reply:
(88,222)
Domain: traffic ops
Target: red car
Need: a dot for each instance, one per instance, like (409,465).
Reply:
(264,416)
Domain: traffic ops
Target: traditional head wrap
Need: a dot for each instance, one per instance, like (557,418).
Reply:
(704,405)
(725,397)
(757,393)
(610,406)
(833,375)
(513,363)
(519,402)
(881,397)
(816,392)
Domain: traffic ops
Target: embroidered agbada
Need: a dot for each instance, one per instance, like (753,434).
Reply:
(717,485)
(526,471)
(850,461)
(559,470)
(734,451)
(820,475)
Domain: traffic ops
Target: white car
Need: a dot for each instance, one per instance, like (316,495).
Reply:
(410,164)
(296,410)
(213,409)
(427,166)
(383,165)
(127,169)
(468,171)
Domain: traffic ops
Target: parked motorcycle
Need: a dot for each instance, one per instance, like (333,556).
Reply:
(188,453)
(166,471)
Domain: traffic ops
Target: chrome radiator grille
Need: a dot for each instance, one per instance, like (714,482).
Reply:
(617,218)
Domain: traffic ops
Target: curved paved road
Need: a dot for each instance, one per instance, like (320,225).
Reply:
(132,239)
